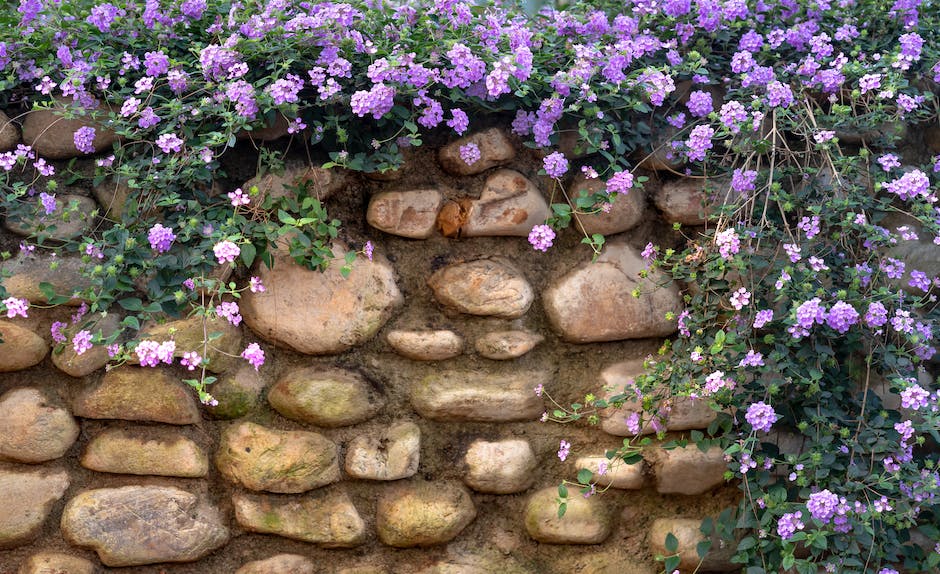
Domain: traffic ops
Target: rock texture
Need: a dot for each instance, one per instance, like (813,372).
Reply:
(75,365)
(26,498)
(28,271)
(426,345)
(328,519)
(509,205)
(325,397)
(145,451)
(689,471)
(486,397)
(411,213)
(626,210)
(586,520)
(688,200)
(392,454)
(237,393)
(687,532)
(423,514)
(21,348)
(489,287)
(280,564)
(9,133)
(616,473)
(34,428)
(495,150)
(55,563)
(505,345)
(190,333)
(52,136)
(138,394)
(320,183)
(501,467)
(74,216)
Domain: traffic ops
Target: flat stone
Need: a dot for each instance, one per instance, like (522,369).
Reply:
(509,205)
(505,345)
(586,520)
(74,216)
(27,498)
(21,348)
(488,287)
(688,470)
(52,136)
(321,313)
(260,458)
(457,396)
(595,301)
(325,397)
(426,345)
(689,200)
(145,451)
(411,214)
(138,394)
(617,474)
(34,428)
(237,393)
(688,532)
(136,525)
(500,467)
(280,564)
(392,454)
(28,271)
(627,210)
(112,195)
(326,518)
(320,183)
(56,563)
(9,133)
(190,333)
(423,514)
(75,365)
(495,150)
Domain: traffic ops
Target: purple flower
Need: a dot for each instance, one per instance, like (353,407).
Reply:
(170,143)
(238,197)
(156,63)
(731,114)
(470,153)
(699,142)
(779,95)
(649,252)
(743,181)
(81,342)
(822,136)
(740,298)
(914,397)
(763,317)
(368,249)
(229,311)
(48,202)
(177,80)
(191,360)
(807,314)
(841,317)
(243,95)
(161,238)
(869,82)
(728,243)
(621,182)
(910,185)
(555,164)
(103,15)
(56,331)
(84,139)
(889,161)
(541,237)
(459,121)
(226,251)
(699,104)
(788,524)
(810,225)
(761,416)
(286,90)
(254,355)
(563,449)
(877,315)
(822,505)
(378,101)
(752,359)
(152,353)
(15,307)
(193,9)
(148,118)
(256,286)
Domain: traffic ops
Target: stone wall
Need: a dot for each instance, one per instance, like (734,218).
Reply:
(394,427)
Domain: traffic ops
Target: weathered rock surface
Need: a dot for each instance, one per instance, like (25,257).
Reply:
(687,200)
(223,350)
(660,155)
(626,211)
(505,345)
(267,132)
(320,183)
(595,302)
(21,348)
(52,136)
(138,394)
(484,397)
(423,514)
(687,532)
(56,563)
(145,451)
(75,365)
(489,287)
(26,498)
(280,564)
(325,397)
(112,195)
(616,473)
(260,458)
(509,205)
(136,525)
(327,518)
(321,313)
(411,214)
(586,520)
(74,216)
(9,133)
(34,428)
(390,455)
(426,345)
(500,467)
(237,393)
(28,271)
(689,470)
(495,150)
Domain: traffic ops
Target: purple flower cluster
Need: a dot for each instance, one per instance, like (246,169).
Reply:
(226,251)
(728,243)
(254,354)
(81,342)
(378,101)
(788,524)
(541,237)
(170,143)
(15,307)
(555,164)
(470,153)
(807,314)
(229,311)
(912,184)
(84,139)
(841,317)
(761,416)
(161,238)
(822,505)
(699,142)
(286,90)
(152,353)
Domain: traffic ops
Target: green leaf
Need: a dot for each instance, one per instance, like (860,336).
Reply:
(285,217)
(672,543)
(585,476)
(561,509)
(131,304)
(248,254)
(132,322)
(672,563)
(703,547)
(562,491)
(788,561)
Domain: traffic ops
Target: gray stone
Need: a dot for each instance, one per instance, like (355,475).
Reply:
(626,210)
(392,454)
(264,132)
(325,397)
(136,525)
(423,513)
(689,201)
(74,216)
(56,563)
(617,474)
(688,532)
(688,470)
(482,397)
(509,205)
(33,428)
(326,518)
(75,365)
(145,451)
(237,393)
(260,458)
(52,136)
(411,214)
(222,350)
(320,183)
(426,345)
(29,271)
(488,287)
(9,133)
(112,195)
(280,564)
(659,156)
(138,394)
(500,467)
(21,348)
(505,345)
(27,498)
(495,150)
(586,520)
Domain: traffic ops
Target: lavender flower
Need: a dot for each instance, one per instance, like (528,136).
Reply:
(761,416)
(841,317)
(788,524)
(699,142)
(81,342)
(699,104)
(48,202)
(161,238)
(822,505)
(555,164)
(621,182)
(563,449)
(226,251)
(15,307)
(84,139)
(170,143)
(254,355)
(541,237)
(470,153)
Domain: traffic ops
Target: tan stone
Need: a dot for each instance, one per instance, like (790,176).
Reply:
(75,365)
(325,397)
(491,286)
(423,513)
(26,498)
(9,133)
(52,136)
(34,428)
(237,393)
(327,518)
(410,213)
(688,470)
(74,215)
(426,345)
(29,271)
(392,454)
(319,183)
(617,474)
(509,205)
(280,564)
(264,131)
(21,348)
(687,532)
(138,394)
(190,334)
(689,201)
(626,210)
(504,345)
(145,451)
(495,150)
(586,520)
(112,194)
(56,563)
(482,397)
(500,467)
(660,155)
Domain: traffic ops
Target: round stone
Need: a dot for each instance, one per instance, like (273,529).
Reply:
(34,428)
(488,287)
(426,345)
(423,514)
(501,467)
(21,348)
(325,397)
(586,520)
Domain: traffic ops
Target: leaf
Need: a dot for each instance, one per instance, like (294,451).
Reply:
(672,563)
(585,476)
(703,547)
(562,491)
(561,509)
(131,304)
(248,254)
(131,321)
(672,543)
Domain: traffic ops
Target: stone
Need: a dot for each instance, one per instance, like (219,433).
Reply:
(426,345)
(28,271)
(271,130)
(325,397)
(280,564)
(688,532)
(34,428)
(586,520)
(500,467)
(495,150)
(659,156)
(321,313)
(509,205)
(617,473)
(411,214)
(112,195)
(75,365)
(260,458)
(74,216)
(626,210)
(145,451)
(138,394)
(237,393)
(137,525)
(52,136)
(9,133)
(56,563)
(463,396)
(190,333)
(326,518)
(392,454)
(488,287)
(688,470)
(318,182)
(505,345)
(423,513)
(27,498)
(21,348)
(595,302)
(688,200)
(931,138)
(918,255)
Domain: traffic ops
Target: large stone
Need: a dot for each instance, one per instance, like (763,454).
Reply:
(9,133)
(237,393)
(423,514)
(391,454)
(318,182)
(28,271)
(617,474)
(26,498)
(33,428)
(660,155)
(327,518)
(688,201)
(145,451)
(495,150)
(501,467)
(586,520)
(280,564)
(688,533)
(411,214)
(138,394)
(75,365)
(52,135)
(265,130)
(476,396)
(504,345)
(626,210)
(74,216)
(321,313)
(190,334)
(55,563)
(595,302)
(112,195)
(260,458)
(21,348)
(688,470)
(489,287)
(136,525)
(426,345)
(325,397)
(509,205)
